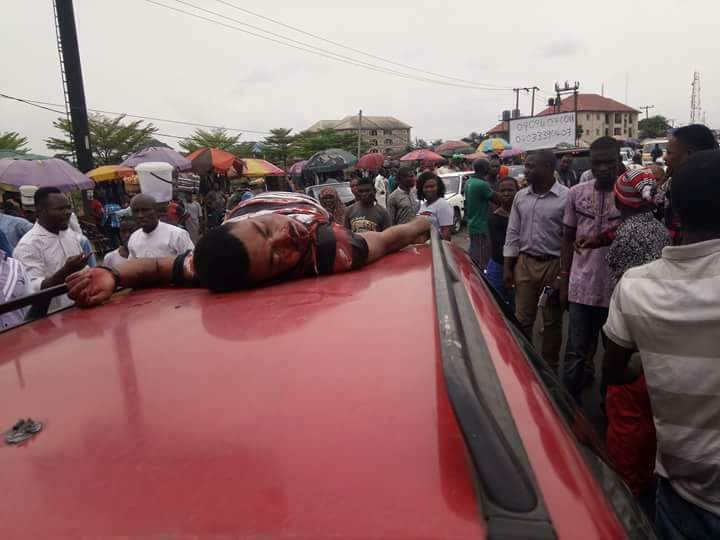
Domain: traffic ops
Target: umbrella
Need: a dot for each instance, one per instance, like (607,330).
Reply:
(371,162)
(332,159)
(453,147)
(296,169)
(255,168)
(494,144)
(206,159)
(43,173)
(107,173)
(512,152)
(422,155)
(12,154)
(166,155)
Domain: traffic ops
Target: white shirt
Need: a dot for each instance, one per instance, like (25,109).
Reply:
(670,311)
(381,187)
(439,213)
(14,283)
(43,253)
(165,241)
(114,259)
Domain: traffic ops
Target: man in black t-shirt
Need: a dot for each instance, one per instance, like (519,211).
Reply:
(366,215)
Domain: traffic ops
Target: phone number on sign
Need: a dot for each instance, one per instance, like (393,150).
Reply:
(540,136)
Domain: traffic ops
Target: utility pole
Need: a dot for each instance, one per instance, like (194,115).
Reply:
(359,132)
(569,89)
(646,108)
(516,110)
(71,72)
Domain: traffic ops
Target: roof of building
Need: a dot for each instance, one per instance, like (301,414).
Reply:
(590,103)
(368,122)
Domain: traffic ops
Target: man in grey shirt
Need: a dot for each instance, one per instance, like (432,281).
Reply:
(366,215)
(532,251)
(403,204)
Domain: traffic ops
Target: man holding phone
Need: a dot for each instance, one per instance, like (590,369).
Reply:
(51,251)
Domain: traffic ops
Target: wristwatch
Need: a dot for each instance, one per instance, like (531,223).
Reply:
(115,274)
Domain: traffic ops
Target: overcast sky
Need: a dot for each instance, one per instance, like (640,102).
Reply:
(143,59)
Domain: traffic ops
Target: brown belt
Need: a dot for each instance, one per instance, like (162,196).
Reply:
(541,258)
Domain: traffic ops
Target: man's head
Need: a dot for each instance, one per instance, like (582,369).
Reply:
(696,194)
(565,163)
(329,199)
(507,189)
(406,178)
(127,227)
(144,210)
(365,191)
(605,160)
(249,252)
(687,140)
(494,168)
(481,167)
(188,197)
(354,185)
(52,208)
(540,167)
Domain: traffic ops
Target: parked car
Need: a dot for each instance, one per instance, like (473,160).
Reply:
(455,195)
(342,188)
(517,172)
(264,413)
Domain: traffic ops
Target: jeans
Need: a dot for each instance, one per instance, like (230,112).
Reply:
(494,275)
(678,519)
(584,326)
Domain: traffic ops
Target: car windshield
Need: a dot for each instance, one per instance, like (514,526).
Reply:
(452,184)
(650,146)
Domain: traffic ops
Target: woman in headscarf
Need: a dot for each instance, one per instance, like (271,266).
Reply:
(331,201)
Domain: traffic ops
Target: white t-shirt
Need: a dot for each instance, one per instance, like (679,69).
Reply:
(381,187)
(165,241)
(439,213)
(114,259)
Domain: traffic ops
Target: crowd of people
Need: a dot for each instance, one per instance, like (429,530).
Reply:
(632,255)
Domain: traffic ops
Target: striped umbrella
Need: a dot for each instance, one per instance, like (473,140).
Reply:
(207,159)
(256,168)
(422,155)
(108,173)
(494,144)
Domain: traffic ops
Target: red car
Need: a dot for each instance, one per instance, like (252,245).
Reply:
(398,401)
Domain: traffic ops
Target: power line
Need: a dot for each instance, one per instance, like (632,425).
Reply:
(312,49)
(364,53)
(40,104)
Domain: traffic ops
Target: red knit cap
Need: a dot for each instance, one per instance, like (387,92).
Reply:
(636,188)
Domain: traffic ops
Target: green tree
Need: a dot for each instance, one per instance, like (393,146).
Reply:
(436,142)
(111,139)
(278,146)
(214,138)
(474,139)
(309,142)
(12,140)
(421,143)
(655,126)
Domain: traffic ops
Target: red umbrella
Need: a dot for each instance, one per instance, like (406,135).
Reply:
(422,155)
(450,147)
(206,159)
(371,162)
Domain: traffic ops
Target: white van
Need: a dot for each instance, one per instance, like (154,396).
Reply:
(455,195)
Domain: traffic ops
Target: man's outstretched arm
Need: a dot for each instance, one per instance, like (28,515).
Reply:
(395,238)
(94,286)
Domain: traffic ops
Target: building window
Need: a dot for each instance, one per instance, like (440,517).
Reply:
(387,131)
(618,118)
(597,132)
(587,116)
(607,132)
(598,117)
(630,133)
(617,131)
(388,141)
(607,119)
(373,132)
(373,150)
(388,151)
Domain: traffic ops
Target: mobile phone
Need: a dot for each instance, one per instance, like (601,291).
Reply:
(546,293)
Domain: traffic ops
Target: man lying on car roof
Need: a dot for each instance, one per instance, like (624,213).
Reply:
(272,237)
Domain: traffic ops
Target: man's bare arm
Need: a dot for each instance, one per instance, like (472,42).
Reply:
(617,367)
(395,238)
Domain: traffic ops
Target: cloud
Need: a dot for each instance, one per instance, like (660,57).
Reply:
(566,46)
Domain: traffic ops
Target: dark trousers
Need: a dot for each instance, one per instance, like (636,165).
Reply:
(678,519)
(584,326)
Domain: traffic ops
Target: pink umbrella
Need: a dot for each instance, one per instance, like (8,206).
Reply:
(158,153)
(43,173)
(476,155)
(296,168)
(422,155)
(451,146)
(371,162)
(512,152)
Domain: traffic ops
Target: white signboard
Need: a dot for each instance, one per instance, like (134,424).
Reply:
(540,132)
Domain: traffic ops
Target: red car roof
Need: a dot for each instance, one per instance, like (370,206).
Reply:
(312,409)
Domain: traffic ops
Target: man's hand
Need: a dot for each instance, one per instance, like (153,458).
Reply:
(91,287)
(508,278)
(587,242)
(76,263)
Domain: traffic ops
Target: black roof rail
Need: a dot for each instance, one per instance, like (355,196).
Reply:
(509,495)
(38,302)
